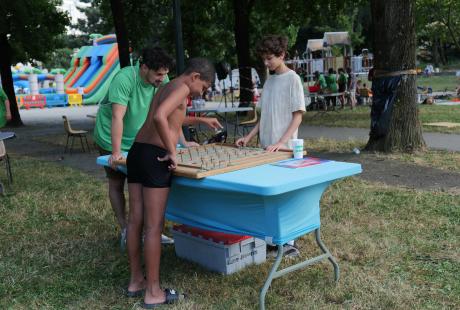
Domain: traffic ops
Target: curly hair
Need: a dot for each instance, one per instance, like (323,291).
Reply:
(156,58)
(202,66)
(272,44)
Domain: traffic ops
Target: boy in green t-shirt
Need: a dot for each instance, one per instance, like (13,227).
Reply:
(5,112)
(342,82)
(331,81)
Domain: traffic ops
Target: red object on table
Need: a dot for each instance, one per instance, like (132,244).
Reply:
(314,89)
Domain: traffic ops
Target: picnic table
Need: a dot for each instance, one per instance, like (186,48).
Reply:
(320,99)
(253,202)
(212,107)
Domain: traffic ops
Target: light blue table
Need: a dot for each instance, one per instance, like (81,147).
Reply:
(269,202)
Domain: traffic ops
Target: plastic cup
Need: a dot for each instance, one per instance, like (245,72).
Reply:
(297,148)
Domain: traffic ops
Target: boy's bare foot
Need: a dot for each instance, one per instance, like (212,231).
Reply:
(168,296)
(136,288)
(154,297)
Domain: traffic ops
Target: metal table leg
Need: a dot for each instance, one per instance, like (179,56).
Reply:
(274,273)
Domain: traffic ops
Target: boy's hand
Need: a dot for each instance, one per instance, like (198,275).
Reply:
(172,161)
(212,122)
(114,157)
(274,147)
(241,142)
(190,144)
(8,116)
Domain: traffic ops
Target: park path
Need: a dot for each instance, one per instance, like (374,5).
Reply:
(449,142)
(31,141)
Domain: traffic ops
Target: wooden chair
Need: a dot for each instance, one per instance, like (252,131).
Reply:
(366,95)
(72,133)
(4,157)
(247,124)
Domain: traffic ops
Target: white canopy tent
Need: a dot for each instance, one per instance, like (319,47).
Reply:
(338,38)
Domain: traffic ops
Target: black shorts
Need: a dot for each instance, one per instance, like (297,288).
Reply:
(144,167)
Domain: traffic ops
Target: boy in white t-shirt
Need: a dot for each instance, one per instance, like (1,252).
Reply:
(282,103)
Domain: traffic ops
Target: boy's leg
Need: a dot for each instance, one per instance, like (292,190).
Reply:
(117,199)
(135,224)
(155,200)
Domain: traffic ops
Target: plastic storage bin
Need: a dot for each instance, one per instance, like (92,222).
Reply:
(224,253)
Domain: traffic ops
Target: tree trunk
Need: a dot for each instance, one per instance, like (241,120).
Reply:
(7,79)
(394,50)
(435,51)
(121,32)
(442,52)
(242,9)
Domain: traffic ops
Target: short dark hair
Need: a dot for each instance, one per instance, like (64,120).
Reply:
(202,66)
(272,44)
(155,58)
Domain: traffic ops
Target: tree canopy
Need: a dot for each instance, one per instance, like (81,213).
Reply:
(32,27)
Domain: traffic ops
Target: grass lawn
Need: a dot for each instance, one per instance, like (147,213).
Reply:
(360,118)
(439,82)
(397,249)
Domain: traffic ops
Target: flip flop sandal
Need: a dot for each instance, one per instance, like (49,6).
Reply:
(171,297)
(138,293)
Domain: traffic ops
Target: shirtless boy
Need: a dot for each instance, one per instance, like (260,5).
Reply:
(151,161)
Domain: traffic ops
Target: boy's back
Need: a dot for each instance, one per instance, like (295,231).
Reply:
(175,94)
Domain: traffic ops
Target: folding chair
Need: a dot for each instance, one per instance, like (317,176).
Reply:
(4,157)
(72,133)
(247,124)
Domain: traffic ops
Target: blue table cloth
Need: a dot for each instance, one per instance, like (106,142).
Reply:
(273,203)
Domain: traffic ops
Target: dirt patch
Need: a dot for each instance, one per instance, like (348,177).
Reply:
(397,173)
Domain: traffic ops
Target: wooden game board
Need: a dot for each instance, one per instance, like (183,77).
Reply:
(206,160)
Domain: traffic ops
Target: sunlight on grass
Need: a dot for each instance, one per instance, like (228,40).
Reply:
(395,247)
(360,118)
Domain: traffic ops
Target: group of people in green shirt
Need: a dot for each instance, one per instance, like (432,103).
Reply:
(336,82)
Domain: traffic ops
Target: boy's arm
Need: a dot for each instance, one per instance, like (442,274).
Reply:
(211,122)
(184,142)
(293,126)
(118,113)
(8,110)
(171,103)
(245,140)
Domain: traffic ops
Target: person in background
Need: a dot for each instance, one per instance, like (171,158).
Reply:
(342,81)
(5,111)
(331,81)
(351,87)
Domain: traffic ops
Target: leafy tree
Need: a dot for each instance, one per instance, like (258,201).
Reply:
(438,27)
(29,29)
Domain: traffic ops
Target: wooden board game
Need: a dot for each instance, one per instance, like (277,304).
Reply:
(206,160)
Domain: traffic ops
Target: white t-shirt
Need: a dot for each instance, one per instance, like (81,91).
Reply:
(281,96)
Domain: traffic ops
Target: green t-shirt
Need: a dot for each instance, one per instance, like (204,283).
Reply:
(3,98)
(127,88)
(331,81)
(322,82)
(343,79)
